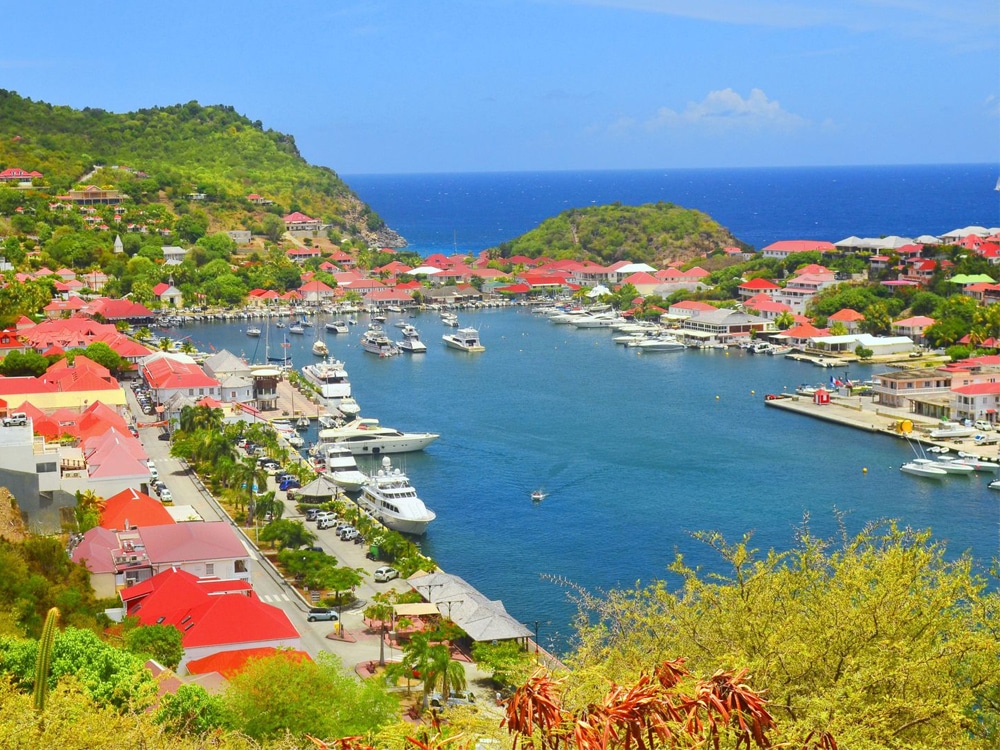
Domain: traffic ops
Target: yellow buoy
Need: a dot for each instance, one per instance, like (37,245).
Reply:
(716,398)
(753,393)
(864,470)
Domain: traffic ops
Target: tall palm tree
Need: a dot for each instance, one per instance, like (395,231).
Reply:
(446,671)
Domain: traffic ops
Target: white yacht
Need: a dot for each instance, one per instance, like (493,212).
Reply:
(599,320)
(952,430)
(337,326)
(296,328)
(411,341)
(330,377)
(320,348)
(390,498)
(302,424)
(339,464)
(657,344)
(368,437)
(465,339)
(254,332)
(924,467)
(375,341)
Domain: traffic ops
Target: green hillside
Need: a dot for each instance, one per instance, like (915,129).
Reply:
(654,233)
(172,152)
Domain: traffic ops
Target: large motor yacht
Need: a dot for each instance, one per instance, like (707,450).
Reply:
(330,377)
(390,498)
(368,437)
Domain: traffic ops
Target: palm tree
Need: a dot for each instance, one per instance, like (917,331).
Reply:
(446,671)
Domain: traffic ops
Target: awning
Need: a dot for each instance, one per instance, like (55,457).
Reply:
(415,610)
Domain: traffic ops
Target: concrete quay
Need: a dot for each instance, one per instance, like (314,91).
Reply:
(862,413)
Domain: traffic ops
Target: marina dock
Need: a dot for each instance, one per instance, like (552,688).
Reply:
(861,413)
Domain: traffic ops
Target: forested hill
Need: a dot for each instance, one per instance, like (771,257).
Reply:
(172,152)
(654,233)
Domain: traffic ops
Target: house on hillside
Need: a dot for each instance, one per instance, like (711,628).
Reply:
(168,294)
(299,224)
(118,559)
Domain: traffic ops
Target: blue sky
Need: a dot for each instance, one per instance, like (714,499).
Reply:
(508,85)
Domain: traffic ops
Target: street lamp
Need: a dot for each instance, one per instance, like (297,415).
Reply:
(536,636)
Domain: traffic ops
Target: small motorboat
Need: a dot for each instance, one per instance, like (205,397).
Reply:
(538,495)
(995,484)
(302,424)
(924,467)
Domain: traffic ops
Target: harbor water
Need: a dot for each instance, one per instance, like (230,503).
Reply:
(636,452)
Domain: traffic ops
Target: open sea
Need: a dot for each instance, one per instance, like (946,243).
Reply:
(637,451)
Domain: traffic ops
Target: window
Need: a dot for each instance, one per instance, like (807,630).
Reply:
(46,467)
(210,569)
(240,566)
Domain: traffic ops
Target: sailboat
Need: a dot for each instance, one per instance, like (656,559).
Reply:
(284,359)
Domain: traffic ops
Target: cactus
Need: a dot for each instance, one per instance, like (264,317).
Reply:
(44,661)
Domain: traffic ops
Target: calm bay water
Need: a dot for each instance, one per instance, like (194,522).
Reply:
(638,451)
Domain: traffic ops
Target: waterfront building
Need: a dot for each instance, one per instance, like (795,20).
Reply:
(723,327)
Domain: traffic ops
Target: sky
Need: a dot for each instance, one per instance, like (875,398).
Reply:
(418,86)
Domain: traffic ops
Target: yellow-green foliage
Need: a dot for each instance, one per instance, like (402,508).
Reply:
(878,639)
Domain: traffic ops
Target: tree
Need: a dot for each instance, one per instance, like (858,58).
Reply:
(877,319)
(838,329)
(191,711)
(279,693)
(89,506)
(506,660)
(159,642)
(287,534)
(785,321)
(878,639)
(29,363)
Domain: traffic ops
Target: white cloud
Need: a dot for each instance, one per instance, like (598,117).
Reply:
(726,110)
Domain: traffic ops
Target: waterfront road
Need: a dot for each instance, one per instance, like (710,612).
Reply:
(358,645)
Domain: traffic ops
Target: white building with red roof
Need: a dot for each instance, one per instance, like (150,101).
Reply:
(117,559)
(913,327)
(212,615)
(168,294)
(17,177)
(131,509)
(299,222)
(169,375)
(751,287)
(976,401)
(783,248)
(800,289)
(851,319)
(317,292)
(688,308)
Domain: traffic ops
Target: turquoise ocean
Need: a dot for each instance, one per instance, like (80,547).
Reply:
(637,451)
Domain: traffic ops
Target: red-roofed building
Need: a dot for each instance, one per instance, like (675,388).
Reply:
(117,559)
(799,335)
(751,287)
(913,327)
(783,248)
(979,401)
(299,222)
(302,254)
(317,292)
(17,177)
(212,615)
(800,289)
(119,309)
(231,663)
(767,308)
(382,297)
(130,509)
(168,376)
(644,283)
(169,295)
(850,318)
(514,290)
(689,308)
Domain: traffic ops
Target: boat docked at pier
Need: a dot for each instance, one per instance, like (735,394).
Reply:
(391,499)
(330,377)
(337,461)
(464,339)
(375,341)
(368,437)
(924,467)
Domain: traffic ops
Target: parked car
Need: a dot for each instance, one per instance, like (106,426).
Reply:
(385,574)
(158,486)
(322,613)
(983,425)
(324,515)
(153,471)
(348,535)
(281,476)
(311,513)
(290,483)
(166,496)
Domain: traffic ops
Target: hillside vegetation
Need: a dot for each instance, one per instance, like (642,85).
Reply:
(654,233)
(175,151)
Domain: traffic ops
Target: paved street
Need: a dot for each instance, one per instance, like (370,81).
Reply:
(359,645)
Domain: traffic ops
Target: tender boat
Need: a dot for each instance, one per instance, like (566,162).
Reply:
(341,467)
(302,424)
(539,495)
(349,407)
(296,328)
(411,341)
(330,377)
(294,440)
(375,341)
(368,437)
(978,464)
(954,465)
(464,339)
(924,467)
(449,319)
(995,484)
(952,430)
(391,499)
(320,348)
(254,332)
